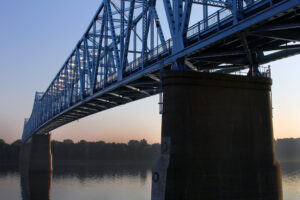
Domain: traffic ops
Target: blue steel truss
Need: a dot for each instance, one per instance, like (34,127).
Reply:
(119,59)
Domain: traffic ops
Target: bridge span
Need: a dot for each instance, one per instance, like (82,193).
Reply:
(104,71)
(124,53)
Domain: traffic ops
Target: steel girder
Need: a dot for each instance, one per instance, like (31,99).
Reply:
(117,61)
(104,55)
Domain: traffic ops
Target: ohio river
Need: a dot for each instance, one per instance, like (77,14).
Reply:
(108,182)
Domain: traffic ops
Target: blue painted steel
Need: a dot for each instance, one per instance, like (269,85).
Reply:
(115,62)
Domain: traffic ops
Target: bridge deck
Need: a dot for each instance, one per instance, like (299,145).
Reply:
(215,45)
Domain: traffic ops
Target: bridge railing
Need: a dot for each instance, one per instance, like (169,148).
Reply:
(54,102)
(213,20)
(155,53)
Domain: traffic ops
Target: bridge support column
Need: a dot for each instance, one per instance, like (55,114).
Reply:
(35,155)
(217,139)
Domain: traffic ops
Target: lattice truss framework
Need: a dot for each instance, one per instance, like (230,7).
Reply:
(123,38)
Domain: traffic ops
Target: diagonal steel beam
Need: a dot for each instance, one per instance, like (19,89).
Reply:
(112,30)
(127,40)
(186,17)
(170,17)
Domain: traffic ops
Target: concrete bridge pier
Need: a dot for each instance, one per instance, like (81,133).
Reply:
(35,155)
(217,139)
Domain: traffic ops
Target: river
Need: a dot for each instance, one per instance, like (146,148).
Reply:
(104,181)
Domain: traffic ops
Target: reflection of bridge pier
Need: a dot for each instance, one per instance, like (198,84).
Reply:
(36,186)
(36,167)
(217,139)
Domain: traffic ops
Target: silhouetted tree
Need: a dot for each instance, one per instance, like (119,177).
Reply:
(83,150)
(134,150)
(287,149)
(9,152)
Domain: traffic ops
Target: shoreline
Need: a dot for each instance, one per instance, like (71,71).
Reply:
(86,162)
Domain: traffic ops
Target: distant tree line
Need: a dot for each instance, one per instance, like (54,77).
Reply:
(83,150)
(286,149)
(9,152)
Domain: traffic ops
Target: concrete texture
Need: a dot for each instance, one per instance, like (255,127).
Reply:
(35,155)
(217,139)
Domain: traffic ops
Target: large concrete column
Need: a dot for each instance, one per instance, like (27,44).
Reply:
(35,155)
(217,139)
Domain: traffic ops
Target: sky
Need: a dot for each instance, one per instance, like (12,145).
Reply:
(37,36)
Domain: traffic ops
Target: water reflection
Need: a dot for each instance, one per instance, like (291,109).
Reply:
(71,177)
(36,186)
(291,180)
(103,181)
(290,167)
(99,171)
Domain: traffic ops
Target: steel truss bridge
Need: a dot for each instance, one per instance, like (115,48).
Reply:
(120,57)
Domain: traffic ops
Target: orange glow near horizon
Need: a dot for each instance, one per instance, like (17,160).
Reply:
(284,124)
(141,120)
(133,121)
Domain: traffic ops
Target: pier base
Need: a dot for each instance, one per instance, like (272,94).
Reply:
(35,155)
(217,139)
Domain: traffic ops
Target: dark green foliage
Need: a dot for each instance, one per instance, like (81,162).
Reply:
(286,149)
(83,150)
(9,152)
(3,150)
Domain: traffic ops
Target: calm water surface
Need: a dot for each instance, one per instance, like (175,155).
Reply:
(105,182)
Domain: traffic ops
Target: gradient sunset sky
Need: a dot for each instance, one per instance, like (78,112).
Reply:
(36,38)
